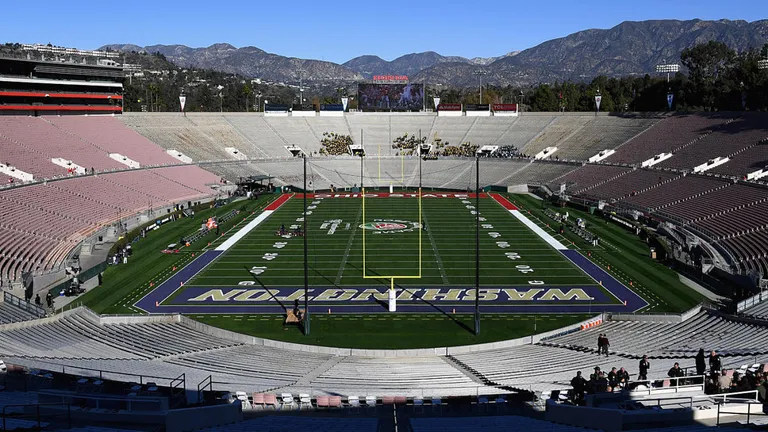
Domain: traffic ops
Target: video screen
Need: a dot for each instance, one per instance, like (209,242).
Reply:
(406,97)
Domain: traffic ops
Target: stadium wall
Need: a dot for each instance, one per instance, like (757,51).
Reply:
(197,418)
(670,318)
(441,351)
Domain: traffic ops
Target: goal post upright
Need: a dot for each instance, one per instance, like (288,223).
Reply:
(306,263)
(392,294)
(477,244)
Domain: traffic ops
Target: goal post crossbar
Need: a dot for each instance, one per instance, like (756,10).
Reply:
(420,229)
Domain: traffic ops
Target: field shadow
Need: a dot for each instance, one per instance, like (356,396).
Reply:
(324,277)
(271,294)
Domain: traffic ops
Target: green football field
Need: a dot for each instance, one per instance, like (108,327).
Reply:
(450,236)
(393,244)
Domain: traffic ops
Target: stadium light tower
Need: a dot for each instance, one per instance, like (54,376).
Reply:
(762,64)
(480,74)
(668,69)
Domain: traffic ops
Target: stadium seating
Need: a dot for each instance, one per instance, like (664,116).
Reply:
(556,131)
(10,314)
(256,362)
(751,249)
(759,310)
(677,190)
(43,141)
(745,162)
(525,129)
(717,202)
(79,335)
(633,183)
(453,130)
(727,140)
(40,223)
(540,173)
(581,137)
(669,340)
(408,376)
(667,135)
(112,136)
(602,133)
(588,177)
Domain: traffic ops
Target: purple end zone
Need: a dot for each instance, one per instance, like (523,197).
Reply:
(165,289)
(634,301)
(183,302)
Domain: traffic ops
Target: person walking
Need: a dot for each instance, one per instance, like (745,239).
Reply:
(714,364)
(606,344)
(644,366)
(701,364)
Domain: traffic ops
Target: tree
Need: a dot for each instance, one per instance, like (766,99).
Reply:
(708,66)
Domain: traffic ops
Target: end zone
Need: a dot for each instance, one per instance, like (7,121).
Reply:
(151,302)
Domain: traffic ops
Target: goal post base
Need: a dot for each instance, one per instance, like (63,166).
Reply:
(392,297)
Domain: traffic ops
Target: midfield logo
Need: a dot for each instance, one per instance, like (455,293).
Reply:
(390,226)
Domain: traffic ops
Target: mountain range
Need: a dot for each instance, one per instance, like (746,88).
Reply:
(630,48)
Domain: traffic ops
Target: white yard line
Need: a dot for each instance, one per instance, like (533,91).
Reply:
(434,249)
(343,266)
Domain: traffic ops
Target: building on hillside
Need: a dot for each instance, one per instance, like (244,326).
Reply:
(35,84)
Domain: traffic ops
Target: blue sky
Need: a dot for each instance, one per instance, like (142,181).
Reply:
(340,30)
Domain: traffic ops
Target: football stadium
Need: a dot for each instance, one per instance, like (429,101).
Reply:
(327,268)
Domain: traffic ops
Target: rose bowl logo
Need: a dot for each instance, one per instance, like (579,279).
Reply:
(390,226)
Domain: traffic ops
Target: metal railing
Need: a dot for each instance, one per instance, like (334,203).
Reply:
(207,383)
(752,301)
(646,402)
(21,304)
(37,413)
(79,370)
(726,395)
(749,413)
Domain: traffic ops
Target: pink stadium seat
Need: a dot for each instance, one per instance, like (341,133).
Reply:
(270,400)
(111,135)
(334,402)
(323,402)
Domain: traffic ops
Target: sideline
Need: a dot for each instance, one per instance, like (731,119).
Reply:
(511,208)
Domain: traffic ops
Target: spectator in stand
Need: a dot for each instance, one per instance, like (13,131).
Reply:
(579,384)
(623,377)
(644,366)
(715,365)
(593,376)
(600,343)
(724,382)
(613,379)
(701,364)
(762,389)
(606,344)
(333,144)
(602,383)
(675,372)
